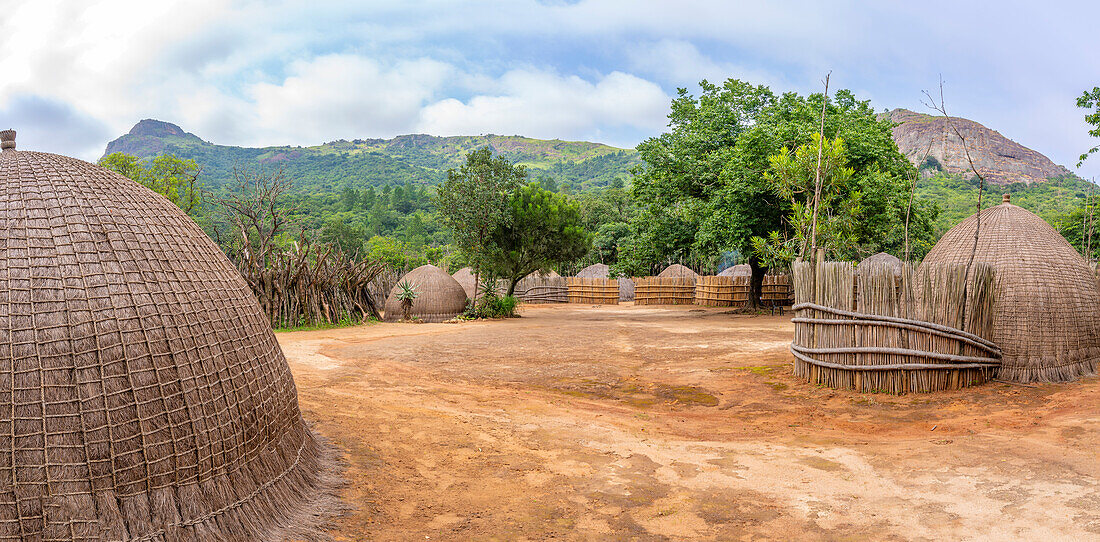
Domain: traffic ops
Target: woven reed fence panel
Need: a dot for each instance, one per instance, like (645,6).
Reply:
(719,291)
(593,291)
(775,290)
(543,290)
(909,331)
(143,395)
(664,291)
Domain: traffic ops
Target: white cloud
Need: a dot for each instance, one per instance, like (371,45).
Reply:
(547,105)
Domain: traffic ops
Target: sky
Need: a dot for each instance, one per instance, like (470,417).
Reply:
(77,74)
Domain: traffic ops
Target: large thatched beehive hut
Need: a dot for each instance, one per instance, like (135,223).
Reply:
(439,296)
(1045,312)
(145,396)
(678,271)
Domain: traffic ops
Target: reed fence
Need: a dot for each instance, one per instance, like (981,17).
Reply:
(775,291)
(596,291)
(889,331)
(722,291)
(664,291)
(543,290)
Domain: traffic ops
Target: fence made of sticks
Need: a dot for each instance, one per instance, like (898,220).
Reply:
(594,291)
(776,291)
(537,289)
(664,291)
(719,291)
(888,331)
(308,287)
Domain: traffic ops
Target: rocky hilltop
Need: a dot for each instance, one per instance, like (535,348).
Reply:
(150,137)
(999,159)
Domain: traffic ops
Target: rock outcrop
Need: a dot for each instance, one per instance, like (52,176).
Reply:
(999,159)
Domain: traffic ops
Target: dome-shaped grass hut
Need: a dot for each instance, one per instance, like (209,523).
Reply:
(678,271)
(881,258)
(439,296)
(465,278)
(146,396)
(1045,309)
(740,270)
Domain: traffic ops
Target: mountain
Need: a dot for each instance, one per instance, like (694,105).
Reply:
(999,159)
(415,158)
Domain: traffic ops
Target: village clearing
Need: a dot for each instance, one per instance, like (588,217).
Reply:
(631,422)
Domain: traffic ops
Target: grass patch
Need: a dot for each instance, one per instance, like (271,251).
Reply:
(327,325)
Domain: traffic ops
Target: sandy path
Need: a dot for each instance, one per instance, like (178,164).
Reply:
(639,423)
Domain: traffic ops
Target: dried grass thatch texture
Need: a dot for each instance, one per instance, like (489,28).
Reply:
(627,289)
(740,270)
(439,296)
(465,278)
(664,290)
(1045,318)
(881,258)
(723,291)
(143,395)
(894,332)
(595,271)
(678,271)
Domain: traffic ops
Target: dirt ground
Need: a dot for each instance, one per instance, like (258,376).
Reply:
(677,423)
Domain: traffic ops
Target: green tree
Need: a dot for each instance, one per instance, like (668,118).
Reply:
(1091,102)
(473,203)
(543,229)
(172,177)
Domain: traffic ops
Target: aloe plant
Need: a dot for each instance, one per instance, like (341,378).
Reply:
(406,297)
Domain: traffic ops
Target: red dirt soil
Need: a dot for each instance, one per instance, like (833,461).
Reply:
(677,423)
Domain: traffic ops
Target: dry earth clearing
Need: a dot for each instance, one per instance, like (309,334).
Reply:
(678,423)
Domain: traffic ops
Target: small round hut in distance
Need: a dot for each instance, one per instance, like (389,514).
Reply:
(740,270)
(1045,310)
(678,271)
(150,399)
(465,278)
(881,258)
(439,297)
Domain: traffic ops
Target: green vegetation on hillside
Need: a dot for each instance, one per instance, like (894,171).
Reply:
(957,197)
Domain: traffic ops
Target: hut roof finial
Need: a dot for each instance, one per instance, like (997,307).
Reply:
(1007,198)
(7,140)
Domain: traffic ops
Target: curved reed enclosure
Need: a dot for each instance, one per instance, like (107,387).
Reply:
(664,290)
(1045,318)
(539,288)
(143,395)
(595,291)
(909,331)
(722,291)
(439,296)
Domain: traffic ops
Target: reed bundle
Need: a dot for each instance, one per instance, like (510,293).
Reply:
(894,330)
(664,290)
(723,291)
(146,397)
(311,286)
(595,291)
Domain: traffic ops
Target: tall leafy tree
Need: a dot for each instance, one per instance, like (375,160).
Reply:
(543,229)
(473,203)
(1091,102)
(174,178)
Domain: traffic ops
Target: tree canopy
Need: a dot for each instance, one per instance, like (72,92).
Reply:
(172,177)
(1091,102)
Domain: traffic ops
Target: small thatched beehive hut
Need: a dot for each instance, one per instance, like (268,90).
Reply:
(740,270)
(881,258)
(439,296)
(1045,311)
(678,271)
(465,278)
(146,397)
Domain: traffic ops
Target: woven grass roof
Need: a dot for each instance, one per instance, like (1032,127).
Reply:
(881,258)
(439,296)
(146,397)
(740,270)
(678,271)
(595,271)
(465,278)
(1045,310)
